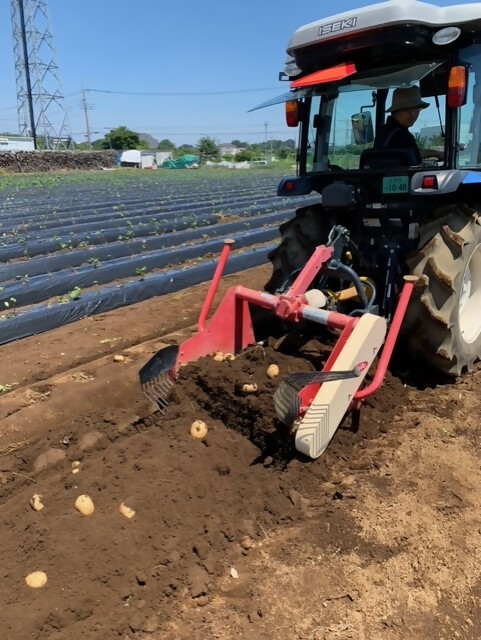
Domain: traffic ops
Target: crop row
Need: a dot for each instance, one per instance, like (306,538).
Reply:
(71,250)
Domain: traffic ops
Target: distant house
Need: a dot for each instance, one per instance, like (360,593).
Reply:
(227,149)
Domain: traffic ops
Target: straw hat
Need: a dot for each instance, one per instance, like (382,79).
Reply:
(407,98)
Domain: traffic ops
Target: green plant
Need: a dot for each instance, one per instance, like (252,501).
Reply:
(10,303)
(71,295)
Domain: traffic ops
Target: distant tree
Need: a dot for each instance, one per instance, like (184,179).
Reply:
(166,145)
(421,141)
(245,155)
(239,144)
(290,144)
(437,141)
(283,152)
(121,138)
(98,145)
(208,148)
(143,144)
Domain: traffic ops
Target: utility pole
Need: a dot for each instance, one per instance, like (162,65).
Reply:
(87,124)
(266,124)
(28,81)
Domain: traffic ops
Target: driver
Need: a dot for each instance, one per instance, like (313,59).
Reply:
(405,109)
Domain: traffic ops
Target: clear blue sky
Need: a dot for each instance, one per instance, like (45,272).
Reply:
(171,46)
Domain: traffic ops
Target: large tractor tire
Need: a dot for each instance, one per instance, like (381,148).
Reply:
(299,238)
(444,316)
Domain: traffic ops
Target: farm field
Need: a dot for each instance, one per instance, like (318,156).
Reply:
(233,536)
(74,247)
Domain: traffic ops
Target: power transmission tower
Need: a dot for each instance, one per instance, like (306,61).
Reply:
(40,101)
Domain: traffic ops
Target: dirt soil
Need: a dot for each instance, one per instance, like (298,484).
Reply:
(233,536)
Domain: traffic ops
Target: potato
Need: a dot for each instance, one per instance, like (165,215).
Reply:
(198,429)
(272,371)
(36,579)
(85,505)
(126,511)
(219,356)
(36,502)
(230,357)
(75,466)
(249,388)
(119,357)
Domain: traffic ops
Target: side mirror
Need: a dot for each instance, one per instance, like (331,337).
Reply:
(362,128)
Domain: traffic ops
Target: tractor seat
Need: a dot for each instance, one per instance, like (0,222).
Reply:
(387,158)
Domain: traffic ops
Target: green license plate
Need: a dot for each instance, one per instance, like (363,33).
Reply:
(395,184)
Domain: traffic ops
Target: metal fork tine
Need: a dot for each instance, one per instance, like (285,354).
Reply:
(155,377)
(286,400)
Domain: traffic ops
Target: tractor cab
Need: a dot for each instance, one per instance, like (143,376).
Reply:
(343,72)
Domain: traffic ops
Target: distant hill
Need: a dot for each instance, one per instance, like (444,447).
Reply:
(150,140)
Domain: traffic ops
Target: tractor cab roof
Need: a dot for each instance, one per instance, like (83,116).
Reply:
(426,74)
(387,32)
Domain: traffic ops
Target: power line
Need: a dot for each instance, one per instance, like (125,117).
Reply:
(188,93)
(202,133)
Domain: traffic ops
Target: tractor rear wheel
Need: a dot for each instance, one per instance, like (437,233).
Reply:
(299,238)
(444,316)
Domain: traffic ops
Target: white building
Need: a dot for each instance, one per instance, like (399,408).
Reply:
(141,159)
(227,149)
(431,132)
(16,143)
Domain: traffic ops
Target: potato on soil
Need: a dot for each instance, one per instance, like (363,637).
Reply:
(198,429)
(36,502)
(272,371)
(126,511)
(36,579)
(229,357)
(85,505)
(249,387)
(218,356)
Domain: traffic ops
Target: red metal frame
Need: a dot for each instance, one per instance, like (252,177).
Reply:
(215,283)
(389,343)
(230,328)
